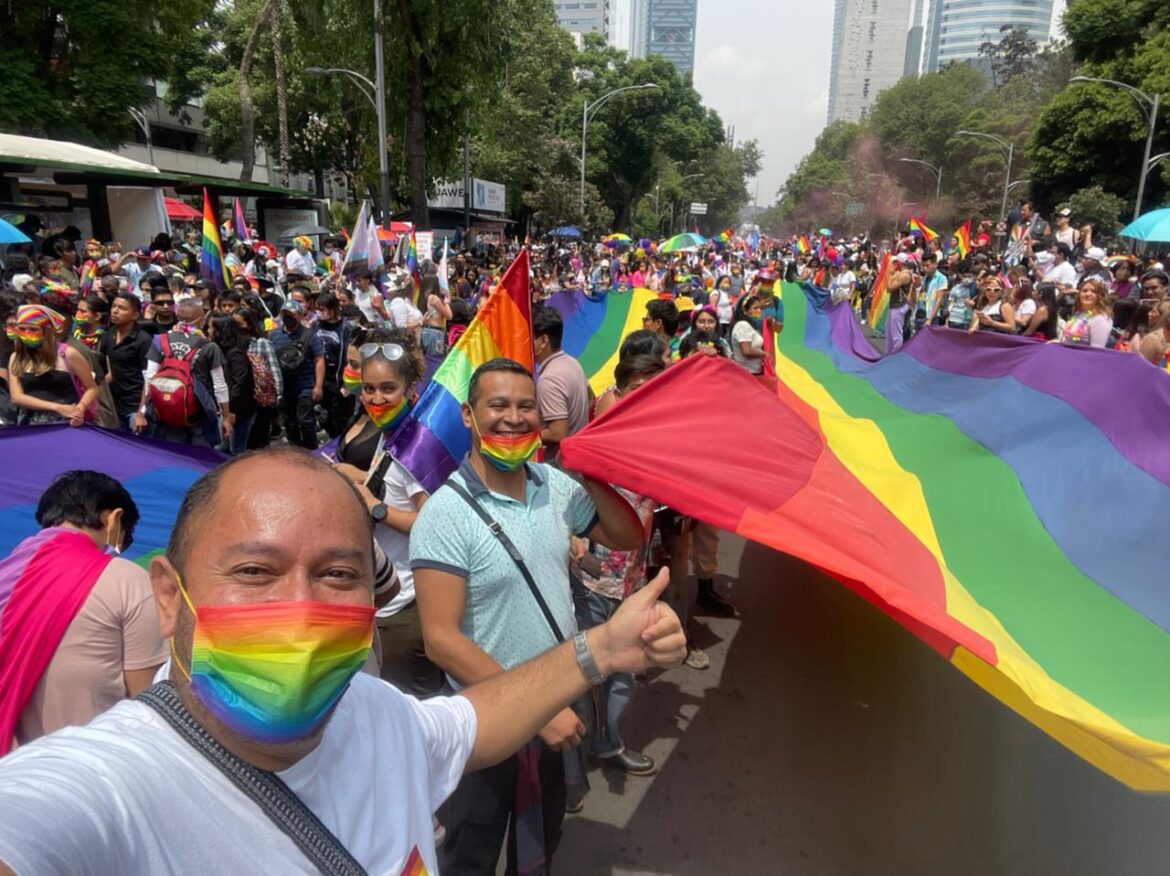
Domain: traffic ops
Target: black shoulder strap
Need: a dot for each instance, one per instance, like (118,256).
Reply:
(294,819)
(513,552)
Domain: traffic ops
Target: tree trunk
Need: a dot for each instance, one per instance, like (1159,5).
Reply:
(244,84)
(281,90)
(416,116)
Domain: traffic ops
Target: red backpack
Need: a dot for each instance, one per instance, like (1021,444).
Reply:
(172,389)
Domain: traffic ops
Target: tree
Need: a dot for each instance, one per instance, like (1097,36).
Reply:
(1099,208)
(70,72)
(1095,134)
(1012,56)
(825,167)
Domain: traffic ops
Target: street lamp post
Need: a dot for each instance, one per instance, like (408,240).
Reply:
(1008,149)
(1149,107)
(1156,160)
(375,93)
(144,123)
(935,169)
(587,111)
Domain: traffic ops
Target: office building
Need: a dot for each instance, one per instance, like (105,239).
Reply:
(958,28)
(583,16)
(665,28)
(869,53)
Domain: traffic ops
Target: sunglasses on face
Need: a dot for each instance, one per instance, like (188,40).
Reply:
(390,352)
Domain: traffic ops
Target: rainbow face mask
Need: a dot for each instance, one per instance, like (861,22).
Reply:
(272,671)
(351,379)
(30,337)
(507,452)
(387,417)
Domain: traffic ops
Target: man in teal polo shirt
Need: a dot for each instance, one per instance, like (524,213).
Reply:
(479,615)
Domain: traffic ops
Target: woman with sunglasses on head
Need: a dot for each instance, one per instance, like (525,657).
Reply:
(391,367)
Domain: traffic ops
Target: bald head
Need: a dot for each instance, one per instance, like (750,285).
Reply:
(262,494)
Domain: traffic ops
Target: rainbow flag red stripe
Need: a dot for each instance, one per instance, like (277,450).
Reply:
(879,301)
(432,440)
(963,236)
(414,864)
(900,476)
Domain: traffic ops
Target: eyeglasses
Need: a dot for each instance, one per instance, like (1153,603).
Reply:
(390,352)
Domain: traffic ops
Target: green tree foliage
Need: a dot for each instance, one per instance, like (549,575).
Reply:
(1095,134)
(919,117)
(1011,56)
(826,167)
(72,67)
(1101,209)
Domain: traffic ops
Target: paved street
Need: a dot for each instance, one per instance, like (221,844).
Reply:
(825,739)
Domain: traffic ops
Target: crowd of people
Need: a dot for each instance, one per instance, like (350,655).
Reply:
(511,559)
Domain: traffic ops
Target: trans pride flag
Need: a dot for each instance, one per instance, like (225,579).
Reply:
(595,327)
(211,266)
(903,478)
(433,440)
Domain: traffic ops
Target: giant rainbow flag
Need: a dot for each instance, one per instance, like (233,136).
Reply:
(928,483)
(595,326)
(156,473)
(432,441)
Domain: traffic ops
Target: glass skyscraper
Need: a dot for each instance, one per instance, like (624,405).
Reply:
(957,28)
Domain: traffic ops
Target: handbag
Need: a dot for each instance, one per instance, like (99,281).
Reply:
(284,808)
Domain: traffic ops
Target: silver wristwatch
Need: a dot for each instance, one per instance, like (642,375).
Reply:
(585,659)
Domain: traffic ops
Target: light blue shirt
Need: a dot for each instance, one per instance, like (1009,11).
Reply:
(500,614)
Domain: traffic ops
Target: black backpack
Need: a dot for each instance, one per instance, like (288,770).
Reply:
(291,356)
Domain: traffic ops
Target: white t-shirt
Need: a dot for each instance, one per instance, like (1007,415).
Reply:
(744,331)
(1063,274)
(1027,309)
(841,287)
(303,263)
(126,794)
(401,488)
(404,314)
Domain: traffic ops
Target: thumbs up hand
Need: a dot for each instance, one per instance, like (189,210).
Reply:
(642,634)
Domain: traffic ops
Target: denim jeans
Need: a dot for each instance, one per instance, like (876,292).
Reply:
(592,610)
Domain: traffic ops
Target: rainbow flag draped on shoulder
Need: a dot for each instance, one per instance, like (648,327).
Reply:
(879,299)
(922,482)
(433,440)
(595,326)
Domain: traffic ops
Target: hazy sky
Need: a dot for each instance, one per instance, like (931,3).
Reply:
(763,65)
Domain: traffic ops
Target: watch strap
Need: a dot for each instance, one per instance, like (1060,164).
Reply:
(585,659)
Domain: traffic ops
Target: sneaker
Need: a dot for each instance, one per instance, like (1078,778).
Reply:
(697,659)
(574,803)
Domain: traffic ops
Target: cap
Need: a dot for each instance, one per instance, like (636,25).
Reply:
(19,281)
(291,305)
(1095,253)
(904,258)
(1065,212)
(202,283)
(142,252)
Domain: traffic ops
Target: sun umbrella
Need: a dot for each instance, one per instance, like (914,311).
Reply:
(180,211)
(617,239)
(682,242)
(1154,226)
(9,233)
(564,231)
(825,232)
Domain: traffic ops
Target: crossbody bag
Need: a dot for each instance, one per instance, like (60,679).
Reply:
(276,800)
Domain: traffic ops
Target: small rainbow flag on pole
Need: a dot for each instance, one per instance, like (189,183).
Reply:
(917,226)
(211,265)
(432,440)
(240,227)
(963,236)
(802,245)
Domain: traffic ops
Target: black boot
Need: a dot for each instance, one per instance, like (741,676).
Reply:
(710,600)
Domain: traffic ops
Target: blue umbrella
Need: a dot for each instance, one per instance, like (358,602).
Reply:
(565,231)
(1154,226)
(9,233)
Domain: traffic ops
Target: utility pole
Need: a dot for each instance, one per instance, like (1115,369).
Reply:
(380,111)
(467,168)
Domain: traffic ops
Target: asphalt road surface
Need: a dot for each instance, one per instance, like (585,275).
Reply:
(825,739)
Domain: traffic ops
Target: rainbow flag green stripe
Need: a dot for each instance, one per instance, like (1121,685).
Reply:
(595,326)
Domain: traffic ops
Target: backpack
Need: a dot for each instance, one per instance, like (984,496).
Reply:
(292,355)
(263,380)
(172,389)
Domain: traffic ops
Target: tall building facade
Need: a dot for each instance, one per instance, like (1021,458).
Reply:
(957,28)
(665,28)
(583,16)
(869,54)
